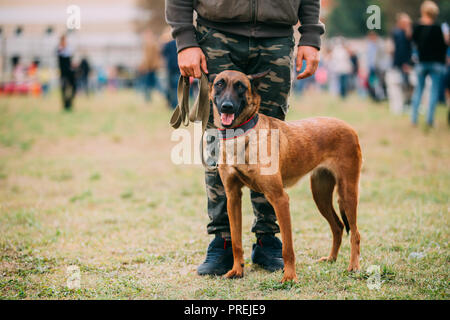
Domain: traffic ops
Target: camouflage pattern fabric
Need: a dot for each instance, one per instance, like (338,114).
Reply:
(226,51)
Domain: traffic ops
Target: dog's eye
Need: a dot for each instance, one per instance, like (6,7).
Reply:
(219,84)
(240,87)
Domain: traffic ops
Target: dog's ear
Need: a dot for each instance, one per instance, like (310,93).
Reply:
(212,77)
(255,78)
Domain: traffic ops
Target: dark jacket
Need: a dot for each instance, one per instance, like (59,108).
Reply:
(169,52)
(252,18)
(430,43)
(402,48)
(84,68)
(65,63)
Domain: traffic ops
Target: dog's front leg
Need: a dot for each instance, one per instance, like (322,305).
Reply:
(234,203)
(280,202)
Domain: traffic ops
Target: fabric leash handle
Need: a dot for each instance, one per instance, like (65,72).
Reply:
(201,109)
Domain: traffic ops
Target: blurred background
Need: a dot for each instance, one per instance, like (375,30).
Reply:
(86,177)
(126,45)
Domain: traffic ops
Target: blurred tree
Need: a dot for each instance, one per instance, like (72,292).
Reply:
(153,16)
(411,7)
(348,18)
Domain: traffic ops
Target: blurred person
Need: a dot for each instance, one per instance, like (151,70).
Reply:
(44,77)
(170,54)
(150,65)
(251,39)
(447,86)
(33,80)
(101,78)
(112,79)
(67,74)
(83,73)
(354,60)
(375,81)
(302,85)
(19,75)
(429,38)
(442,88)
(2,72)
(402,55)
(342,66)
(321,76)
(332,84)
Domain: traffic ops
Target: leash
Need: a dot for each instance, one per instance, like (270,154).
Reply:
(200,111)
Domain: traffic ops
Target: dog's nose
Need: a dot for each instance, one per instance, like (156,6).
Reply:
(227,107)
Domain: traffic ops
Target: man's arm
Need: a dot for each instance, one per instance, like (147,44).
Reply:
(179,15)
(311,29)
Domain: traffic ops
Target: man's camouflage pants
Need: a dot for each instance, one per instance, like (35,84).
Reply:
(225,51)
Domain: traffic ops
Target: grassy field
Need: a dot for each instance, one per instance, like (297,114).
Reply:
(96,188)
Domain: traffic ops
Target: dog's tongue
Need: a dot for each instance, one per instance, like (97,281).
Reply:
(227,118)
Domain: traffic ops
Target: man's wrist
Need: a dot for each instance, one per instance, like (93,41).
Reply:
(310,35)
(307,45)
(186,39)
(310,40)
(179,51)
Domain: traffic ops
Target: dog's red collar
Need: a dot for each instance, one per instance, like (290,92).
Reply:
(239,130)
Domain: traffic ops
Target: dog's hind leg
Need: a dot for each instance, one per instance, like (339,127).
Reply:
(348,203)
(322,187)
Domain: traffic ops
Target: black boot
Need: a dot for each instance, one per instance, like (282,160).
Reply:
(219,258)
(267,253)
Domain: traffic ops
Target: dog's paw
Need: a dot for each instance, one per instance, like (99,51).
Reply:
(291,277)
(232,274)
(326,259)
(353,267)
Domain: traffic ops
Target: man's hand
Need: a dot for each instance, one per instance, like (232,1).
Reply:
(312,57)
(191,61)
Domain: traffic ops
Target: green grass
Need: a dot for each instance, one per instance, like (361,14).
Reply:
(96,188)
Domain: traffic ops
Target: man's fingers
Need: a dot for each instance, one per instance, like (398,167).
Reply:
(203,64)
(311,57)
(299,61)
(305,74)
(189,70)
(197,73)
(311,67)
(183,72)
(191,62)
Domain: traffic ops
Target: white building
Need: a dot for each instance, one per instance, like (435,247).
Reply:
(107,35)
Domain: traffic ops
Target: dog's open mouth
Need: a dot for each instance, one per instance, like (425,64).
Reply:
(227,118)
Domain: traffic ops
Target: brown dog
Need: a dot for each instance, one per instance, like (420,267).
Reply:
(326,147)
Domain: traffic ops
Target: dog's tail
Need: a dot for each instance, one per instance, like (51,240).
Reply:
(322,187)
(344,219)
